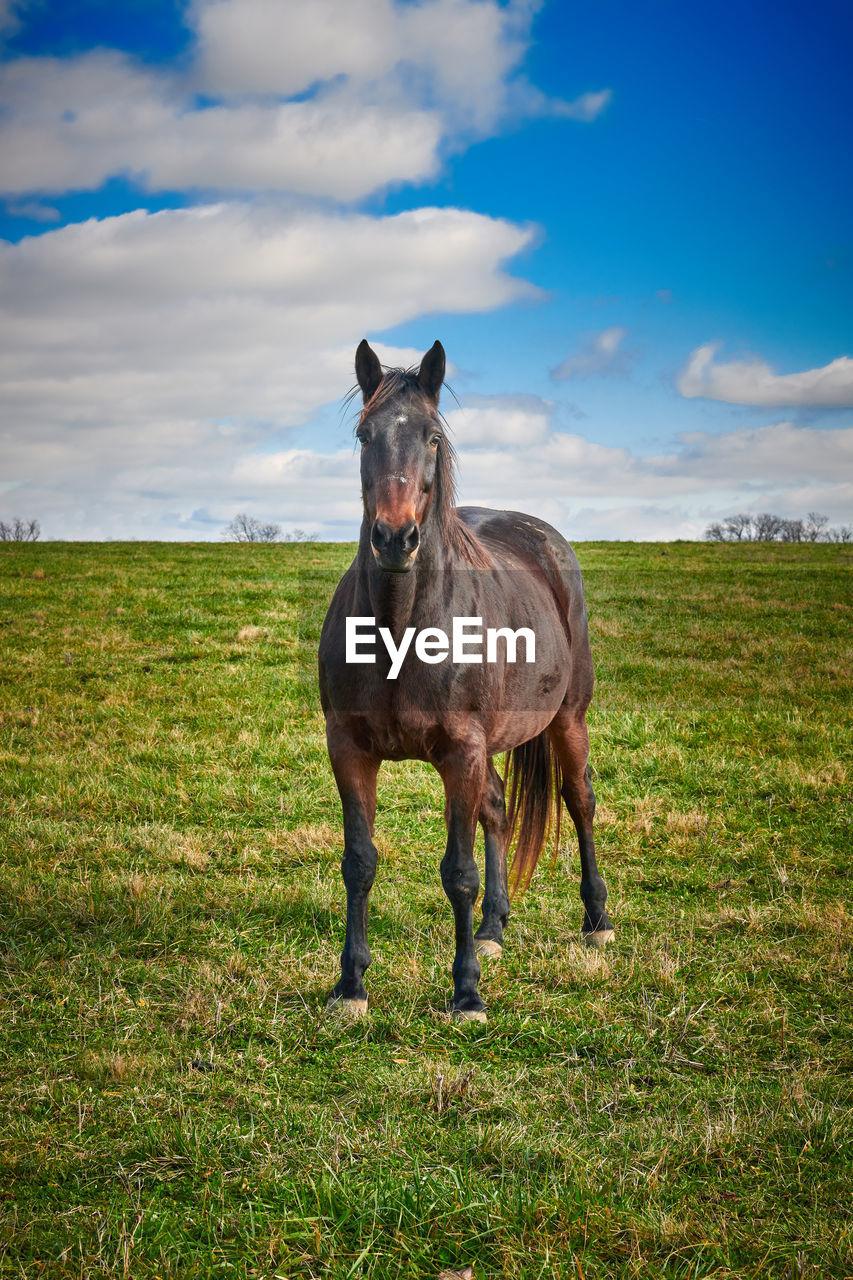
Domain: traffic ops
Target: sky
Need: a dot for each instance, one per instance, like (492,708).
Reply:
(630,224)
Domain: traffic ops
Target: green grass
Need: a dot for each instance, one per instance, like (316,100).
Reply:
(175,1102)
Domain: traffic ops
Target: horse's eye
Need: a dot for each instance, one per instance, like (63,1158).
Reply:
(362,437)
(435,441)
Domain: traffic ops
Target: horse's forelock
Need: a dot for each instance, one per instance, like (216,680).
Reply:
(394,382)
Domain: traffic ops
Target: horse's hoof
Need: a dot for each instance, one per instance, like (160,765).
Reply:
(598,938)
(346,1008)
(468,1015)
(488,947)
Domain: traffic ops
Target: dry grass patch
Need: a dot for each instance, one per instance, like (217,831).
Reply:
(197,1010)
(138,886)
(830,918)
(452,1088)
(662,967)
(834,774)
(312,838)
(694,822)
(606,627)
(192,849)
(827,921)
(111,1066)
(605,816)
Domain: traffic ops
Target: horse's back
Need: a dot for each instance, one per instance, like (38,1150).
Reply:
(524,542)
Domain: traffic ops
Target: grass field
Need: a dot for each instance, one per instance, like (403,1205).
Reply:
(174,1100)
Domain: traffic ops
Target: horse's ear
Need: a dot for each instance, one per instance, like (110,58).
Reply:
(368,370)
(431,372)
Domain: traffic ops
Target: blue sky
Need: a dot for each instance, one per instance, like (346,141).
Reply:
(629,225)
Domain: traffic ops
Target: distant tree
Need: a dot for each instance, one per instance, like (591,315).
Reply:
(815,527)
(299,535)
(17,530)
(767,527)
(791,531)
(738,528)
(245,528)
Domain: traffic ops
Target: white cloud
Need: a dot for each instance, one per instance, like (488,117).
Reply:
(600,353)
(284,106)
(781,454)
(586,489)
(753,382)
(587,107)
(460,52)
(493,421)
(147,354)
(184,476)
(33,210)
(593,490)
(519,455)
(252,47)
(74,123)
(150,363)
(10,15)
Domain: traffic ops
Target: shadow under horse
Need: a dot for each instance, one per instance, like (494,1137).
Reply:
(421,564)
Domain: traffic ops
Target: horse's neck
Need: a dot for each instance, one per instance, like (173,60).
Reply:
(393,598)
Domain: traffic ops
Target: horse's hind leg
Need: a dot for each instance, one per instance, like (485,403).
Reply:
(355,774)
(489,937)
(570,740)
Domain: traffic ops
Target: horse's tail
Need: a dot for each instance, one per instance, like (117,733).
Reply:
(535,782)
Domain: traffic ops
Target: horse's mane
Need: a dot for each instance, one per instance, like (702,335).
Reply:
(454,533)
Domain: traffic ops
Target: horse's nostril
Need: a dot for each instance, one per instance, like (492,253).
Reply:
(394,547)
(380,535)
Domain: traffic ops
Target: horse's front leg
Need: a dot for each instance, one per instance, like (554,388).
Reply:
(463,774)
(355,773)
(489,937)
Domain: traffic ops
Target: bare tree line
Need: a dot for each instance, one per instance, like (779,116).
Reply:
(246,528)
(243,528)
(743,527)
(18,530)
(767,527)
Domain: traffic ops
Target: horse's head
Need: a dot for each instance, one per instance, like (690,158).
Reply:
(402,449)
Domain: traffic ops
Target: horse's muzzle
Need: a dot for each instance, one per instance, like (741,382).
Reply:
(395,549)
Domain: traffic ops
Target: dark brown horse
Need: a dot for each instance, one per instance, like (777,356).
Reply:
(392,689)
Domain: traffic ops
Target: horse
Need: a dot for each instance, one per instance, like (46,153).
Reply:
(424,567)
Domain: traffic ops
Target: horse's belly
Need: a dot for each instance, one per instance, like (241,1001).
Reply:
(391,737)
(511,729)
(431,710)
